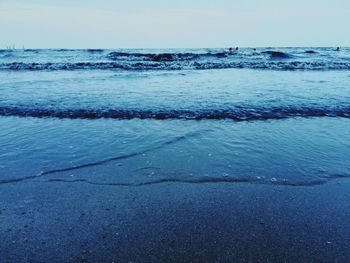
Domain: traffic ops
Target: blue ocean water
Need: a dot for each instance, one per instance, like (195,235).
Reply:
(134,117)
(177,59)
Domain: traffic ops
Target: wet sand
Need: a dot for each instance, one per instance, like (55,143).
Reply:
(174,222)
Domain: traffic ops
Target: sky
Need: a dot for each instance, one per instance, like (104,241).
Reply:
(173,24)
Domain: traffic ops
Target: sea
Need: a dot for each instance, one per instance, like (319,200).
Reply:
(278,116)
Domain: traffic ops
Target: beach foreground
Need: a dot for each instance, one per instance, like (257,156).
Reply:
(174,222)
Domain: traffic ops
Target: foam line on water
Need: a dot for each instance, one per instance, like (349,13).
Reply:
(211,180)
(102,162)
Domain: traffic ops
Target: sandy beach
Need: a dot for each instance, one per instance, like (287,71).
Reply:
(172,222)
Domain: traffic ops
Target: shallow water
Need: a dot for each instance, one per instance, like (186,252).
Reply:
(211,94)
(192,126)
(136,152)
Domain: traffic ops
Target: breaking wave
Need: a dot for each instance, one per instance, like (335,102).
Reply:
(235,114)
(136,60)
(277,54)
(176,65)
(168,56)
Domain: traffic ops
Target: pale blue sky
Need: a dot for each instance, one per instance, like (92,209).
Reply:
(180,23)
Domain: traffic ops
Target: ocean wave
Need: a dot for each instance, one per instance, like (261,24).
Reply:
(235,114)
(177,65)
(185,59)
(159,57)
(277,54)
(91,50)
(310,52)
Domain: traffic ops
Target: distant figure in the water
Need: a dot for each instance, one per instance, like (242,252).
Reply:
(337,49)
(230,50)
